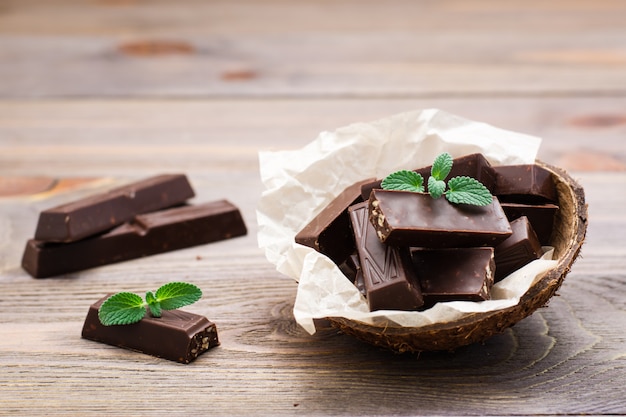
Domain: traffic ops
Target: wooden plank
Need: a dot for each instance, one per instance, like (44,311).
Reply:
(546,364)
(130,138)
(278,48)
(567,358)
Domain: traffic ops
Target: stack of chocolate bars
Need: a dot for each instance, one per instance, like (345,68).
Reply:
(408,251)
(140,219)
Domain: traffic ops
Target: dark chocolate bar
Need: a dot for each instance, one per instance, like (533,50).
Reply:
(148,234)
(329,232)
(404,218)
(474,165)
(91,215)
(177,335)
(454,274)
(519,249)
(388,278)
(541,216)
(528,184)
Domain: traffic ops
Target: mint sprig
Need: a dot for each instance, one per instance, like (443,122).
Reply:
(461,190)
(127,308)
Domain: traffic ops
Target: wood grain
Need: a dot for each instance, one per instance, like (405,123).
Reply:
(97,93)
(277,48)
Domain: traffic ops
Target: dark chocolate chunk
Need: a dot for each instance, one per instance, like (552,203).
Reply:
(388,278)
(329,232)
(541,216)
(414,219)
(528,184)
(148,234)
(454,274)
(177,335)
(89,216)
(519,249)
(474,165)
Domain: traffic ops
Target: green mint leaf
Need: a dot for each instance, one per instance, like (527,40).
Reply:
(467,190)
(153,304)
(404,180)
(441,167)
(177,294)
(121,308)
(436,188)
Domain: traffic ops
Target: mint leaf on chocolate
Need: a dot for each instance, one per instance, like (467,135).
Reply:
(404,180)
(436,188)
(127,308)
(177,294)
(441,167)
(153,304)
(466,190)
(461,190)
(121,308)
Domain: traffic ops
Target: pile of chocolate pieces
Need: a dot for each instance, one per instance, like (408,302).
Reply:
(407,251)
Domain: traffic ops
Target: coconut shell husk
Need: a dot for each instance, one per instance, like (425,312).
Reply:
(568,235)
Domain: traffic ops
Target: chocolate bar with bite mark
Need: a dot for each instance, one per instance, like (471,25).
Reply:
(147,234)
(91,215)
(405,218)
(177,335)
(454,274)
(388,278)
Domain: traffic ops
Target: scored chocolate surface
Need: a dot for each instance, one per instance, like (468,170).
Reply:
(91,215)
(330,232)
(148,234)
(414,219)
(519,249)
(388,278)
(454,274)
(177,335)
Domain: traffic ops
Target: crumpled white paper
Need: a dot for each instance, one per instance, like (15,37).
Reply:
(300,183)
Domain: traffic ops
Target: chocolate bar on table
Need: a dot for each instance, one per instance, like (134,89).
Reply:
(329,232)
(519,249)
(177,335)
(454,274)
(473,165)
(147,234)
(528,184)
(88,216)
(404,218)
(388,278)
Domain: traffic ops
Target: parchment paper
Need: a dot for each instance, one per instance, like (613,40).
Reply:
(299,183)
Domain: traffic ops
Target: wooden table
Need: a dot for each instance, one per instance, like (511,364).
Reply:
(98,93)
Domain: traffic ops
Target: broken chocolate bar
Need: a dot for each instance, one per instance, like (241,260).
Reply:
(455,274)
(89,216)
(147,234)
(177,335)
(529,184)
(541,216)
(415,219)
(388,278)
(519,249)
(474,165)
(329,232)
